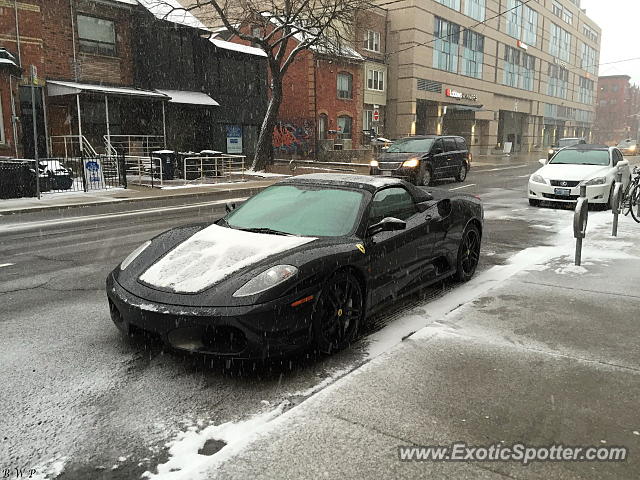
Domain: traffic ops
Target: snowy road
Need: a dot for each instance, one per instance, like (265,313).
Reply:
(80,400)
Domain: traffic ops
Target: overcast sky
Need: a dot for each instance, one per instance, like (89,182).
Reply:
(620,34)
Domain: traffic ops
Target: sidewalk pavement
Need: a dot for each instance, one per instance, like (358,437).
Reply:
(548,356)
(61,201)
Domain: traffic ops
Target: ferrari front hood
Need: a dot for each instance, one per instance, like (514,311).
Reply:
(211,255)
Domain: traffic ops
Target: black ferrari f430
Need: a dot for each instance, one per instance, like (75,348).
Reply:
(304,262)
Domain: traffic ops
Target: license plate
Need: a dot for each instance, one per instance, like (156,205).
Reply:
(386,173)
(563,191)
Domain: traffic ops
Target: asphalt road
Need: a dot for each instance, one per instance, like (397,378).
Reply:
(73,388)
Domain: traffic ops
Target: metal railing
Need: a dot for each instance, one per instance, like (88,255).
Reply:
(213,167)
(143,170)
(133,145)
(70,146)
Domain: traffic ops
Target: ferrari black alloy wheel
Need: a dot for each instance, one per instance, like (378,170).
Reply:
(468,254)
(338,313)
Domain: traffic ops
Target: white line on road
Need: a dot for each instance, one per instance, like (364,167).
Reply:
(6,264)
(523,176)
(503,168)
(66,221)
(464,186)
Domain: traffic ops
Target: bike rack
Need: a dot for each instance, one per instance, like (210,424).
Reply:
(618,192)
(580,220)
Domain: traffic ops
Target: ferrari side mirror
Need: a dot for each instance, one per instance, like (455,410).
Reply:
(543,161)
(388,224)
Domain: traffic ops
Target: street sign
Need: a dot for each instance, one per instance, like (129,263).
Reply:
(376,115)
(234,139)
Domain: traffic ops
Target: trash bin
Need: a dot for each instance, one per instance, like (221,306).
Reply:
(167,158)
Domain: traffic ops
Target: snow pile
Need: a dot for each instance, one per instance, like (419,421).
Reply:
(49,470)
(185,463)
(213,254)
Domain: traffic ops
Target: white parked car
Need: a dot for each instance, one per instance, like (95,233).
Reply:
(594,165)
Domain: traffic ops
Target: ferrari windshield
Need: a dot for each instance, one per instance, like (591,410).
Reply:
(411,145)
(581,157)
(300,210)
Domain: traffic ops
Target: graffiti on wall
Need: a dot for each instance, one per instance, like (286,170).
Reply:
(292,138)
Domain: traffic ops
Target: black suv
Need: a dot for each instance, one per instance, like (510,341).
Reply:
(424,159)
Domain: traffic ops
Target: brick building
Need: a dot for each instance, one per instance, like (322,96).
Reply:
(89,65)
(617,110)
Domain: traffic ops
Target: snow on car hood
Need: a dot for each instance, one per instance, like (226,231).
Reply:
(572,172)
(213,254)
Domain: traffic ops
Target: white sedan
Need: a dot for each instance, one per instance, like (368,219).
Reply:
(595,166)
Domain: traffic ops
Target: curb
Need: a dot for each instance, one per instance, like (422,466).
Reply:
(218,194)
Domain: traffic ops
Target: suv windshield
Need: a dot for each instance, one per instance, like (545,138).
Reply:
(581,157)
(300,210)
(412,145)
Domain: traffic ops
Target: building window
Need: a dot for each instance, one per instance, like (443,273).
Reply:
(475,9)
(558,81)
(455,4)
(372,41)
(519,69)
(375,80)
(344,126)
(560,42)
(561,12)
(590,33)
(345,86)
(530,27)
(96,35)
(3,139)
(521,22)
(589,59)
(323,121)
(585,91)
(511,67)
(472,54)
(528,72)
(447,39)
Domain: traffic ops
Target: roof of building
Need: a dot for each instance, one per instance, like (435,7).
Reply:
(238,47)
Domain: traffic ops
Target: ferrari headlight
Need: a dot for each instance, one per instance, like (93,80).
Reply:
(411,163)
(266,280)
(133,255)
(537,179)
(596,181)
(374,163)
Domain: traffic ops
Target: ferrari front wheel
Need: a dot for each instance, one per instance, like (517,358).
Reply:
(338,312)
(468,254)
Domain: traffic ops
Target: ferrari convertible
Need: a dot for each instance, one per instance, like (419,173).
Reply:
(302,263)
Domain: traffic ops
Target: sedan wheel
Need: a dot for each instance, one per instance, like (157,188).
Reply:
(338,313)
(468,254)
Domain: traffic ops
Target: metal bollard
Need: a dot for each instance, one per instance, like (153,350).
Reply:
(617,201)
(580,219)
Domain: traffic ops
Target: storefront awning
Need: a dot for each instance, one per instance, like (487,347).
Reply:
(189,98)
(58,88)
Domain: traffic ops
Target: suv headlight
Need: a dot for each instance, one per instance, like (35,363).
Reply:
(411,163)
(266,280)
(551,152)
(374,163)
(537,179)
(596,181)
(133,255)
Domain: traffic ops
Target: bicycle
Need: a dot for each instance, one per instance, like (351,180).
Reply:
(631,196)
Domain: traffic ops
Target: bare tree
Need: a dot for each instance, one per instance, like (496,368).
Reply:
(282,29)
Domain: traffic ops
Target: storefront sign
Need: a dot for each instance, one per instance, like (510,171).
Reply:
(234,139)
(459,95)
